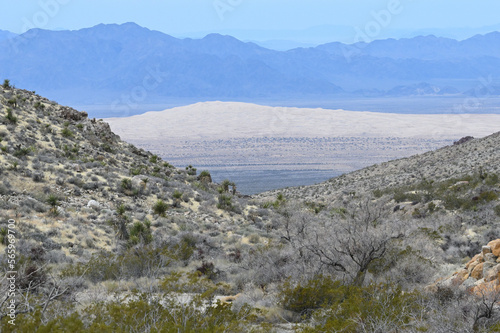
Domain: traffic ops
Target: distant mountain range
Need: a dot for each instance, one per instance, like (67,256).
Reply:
(6,35)
(125,65)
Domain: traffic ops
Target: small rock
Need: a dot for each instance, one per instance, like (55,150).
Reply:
(61,211)
(76,167)
(93,204)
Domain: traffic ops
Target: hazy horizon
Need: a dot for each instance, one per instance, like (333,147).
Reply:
(280,24)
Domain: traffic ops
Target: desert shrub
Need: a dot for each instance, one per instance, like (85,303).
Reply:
(127,188)
(31,276)
(184,249)
(37,176)
(205,177)
(190,170)
(453,202)
(21,152)
(56,257)
(497,210)
(254,238)
(67,133)
(488,196)
(154,159)
(53,201)
(160,208)
(133,263)
(208,269)
(140,233)
(39,106)
(140,313)
(305,298)
(336,307)
(225,202)
(177,195)
(101,267)
(3,236)
(35,205)
(10,116)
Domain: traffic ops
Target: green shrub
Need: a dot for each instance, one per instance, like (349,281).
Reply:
(184,249)
(453,202)
(190,170)
(126,184)
(254,238)
(316,293)
(6,84)
(53,200)
(21,152)
(67,133)
(139,313)
(488,196)
(154,159)
(431,206)
(10,116)
(177,194)
(136,171)
(39,106)
(205,177)
(13,102)
(225,202)
(335,307)
(160,208)
(140,233)
(3,236)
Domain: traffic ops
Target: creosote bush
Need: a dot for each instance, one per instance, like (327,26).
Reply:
(335,307)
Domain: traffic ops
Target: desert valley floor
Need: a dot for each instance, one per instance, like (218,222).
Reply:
(297,146)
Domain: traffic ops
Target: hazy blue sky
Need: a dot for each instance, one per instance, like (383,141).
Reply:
(180,17)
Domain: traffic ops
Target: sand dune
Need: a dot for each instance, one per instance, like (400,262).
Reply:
(218,120)
(245,139)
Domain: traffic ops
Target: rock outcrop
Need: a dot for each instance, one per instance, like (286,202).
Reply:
(480,274)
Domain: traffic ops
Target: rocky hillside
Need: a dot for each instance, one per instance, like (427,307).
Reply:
(109,237)
(68,175)
(455,161)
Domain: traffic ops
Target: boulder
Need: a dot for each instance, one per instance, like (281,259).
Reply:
(459,277)
(474,261)
(463,140)
(495,247)
(477,272)
(490,273)
(93,204)
(229,299)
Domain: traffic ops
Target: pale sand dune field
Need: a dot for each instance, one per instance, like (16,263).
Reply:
(215,120)
(246,139)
